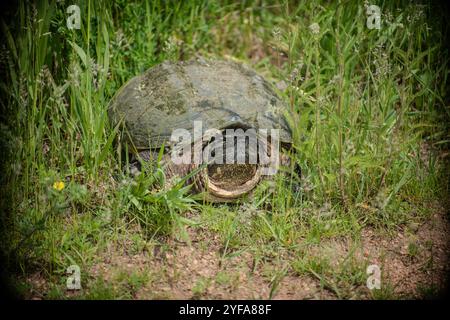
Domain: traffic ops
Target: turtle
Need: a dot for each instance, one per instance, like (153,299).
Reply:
(220,96)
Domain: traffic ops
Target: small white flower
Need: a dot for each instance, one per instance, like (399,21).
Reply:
(314,28)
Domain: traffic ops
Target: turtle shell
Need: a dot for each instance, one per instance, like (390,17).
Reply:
(171,95)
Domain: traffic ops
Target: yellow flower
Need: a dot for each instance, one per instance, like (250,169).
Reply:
(59,185)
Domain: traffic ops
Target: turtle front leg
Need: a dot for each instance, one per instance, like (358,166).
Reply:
(137,161)
(295,172)
(171,171)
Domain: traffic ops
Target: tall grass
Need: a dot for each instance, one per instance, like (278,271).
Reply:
(367,110)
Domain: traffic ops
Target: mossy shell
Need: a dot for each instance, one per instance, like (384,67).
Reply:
(172,95)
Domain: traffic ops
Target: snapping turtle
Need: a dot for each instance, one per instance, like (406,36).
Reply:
(204,96)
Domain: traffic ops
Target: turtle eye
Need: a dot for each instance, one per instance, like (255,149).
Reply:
(235,118)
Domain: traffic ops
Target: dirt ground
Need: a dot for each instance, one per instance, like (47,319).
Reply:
(409,260)
(413,263)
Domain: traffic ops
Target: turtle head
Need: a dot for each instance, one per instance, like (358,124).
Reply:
(232,163)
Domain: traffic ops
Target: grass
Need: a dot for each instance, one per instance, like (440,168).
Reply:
(368,110)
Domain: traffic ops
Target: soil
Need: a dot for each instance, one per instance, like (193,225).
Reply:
(413,263)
